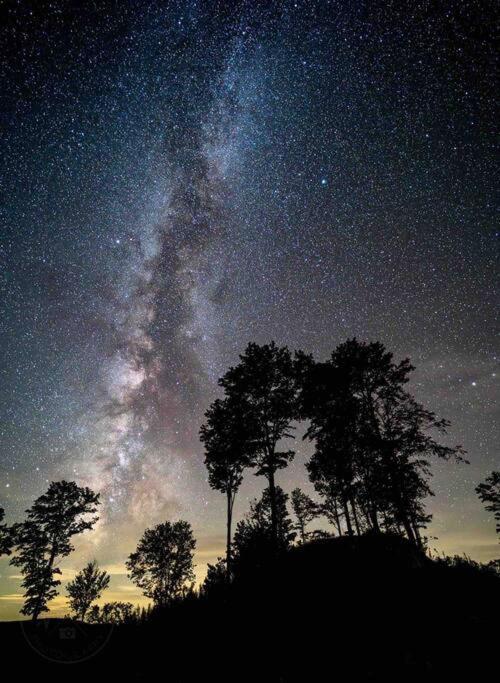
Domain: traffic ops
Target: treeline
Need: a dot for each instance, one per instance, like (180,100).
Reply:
(372,440)
(370,466)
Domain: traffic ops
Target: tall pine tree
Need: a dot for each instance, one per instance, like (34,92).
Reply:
(64,511)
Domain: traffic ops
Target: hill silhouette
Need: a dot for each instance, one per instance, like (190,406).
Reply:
(372,608)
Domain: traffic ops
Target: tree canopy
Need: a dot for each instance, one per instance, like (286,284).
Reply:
(263,384)
(86,587)
(305,510)
(227,453)
(114,613)
(64,511)
(372,439)
(254,541)
(163,562)
(489,493)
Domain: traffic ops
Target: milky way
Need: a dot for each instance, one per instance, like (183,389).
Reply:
(180,178)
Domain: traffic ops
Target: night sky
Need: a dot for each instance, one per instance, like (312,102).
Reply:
(179,178)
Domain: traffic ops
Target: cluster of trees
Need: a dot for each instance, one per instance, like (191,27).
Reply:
(370,466)
(372,439)
(45,537)
(162,565)
(87,587)
(118,613)
(253,543)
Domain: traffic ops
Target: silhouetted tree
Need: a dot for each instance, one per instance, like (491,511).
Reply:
(94,614)
(489,493)
(113,613)
(86,587)
(226,455)
(331,469)
(54,518)
(6,536)
(215,583)
(331,506)
(326,399)
(253,547)
(372,438)
(145,614)
(254,542)
(261,513)
(401,486)
(263,384)
(163,561)
(466,565)
(305,510)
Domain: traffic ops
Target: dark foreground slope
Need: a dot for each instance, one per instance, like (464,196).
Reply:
(369,608)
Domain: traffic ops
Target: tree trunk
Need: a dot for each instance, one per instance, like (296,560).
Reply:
(408,528)
(418,538)
(355,515)
(50,564)
(347,515)
(337,517)
(228,539)
(374,518)
(366,515)
(274,516)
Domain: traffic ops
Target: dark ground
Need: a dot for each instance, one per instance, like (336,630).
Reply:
(367,609)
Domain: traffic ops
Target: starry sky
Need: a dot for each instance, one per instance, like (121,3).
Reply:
(180,177)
